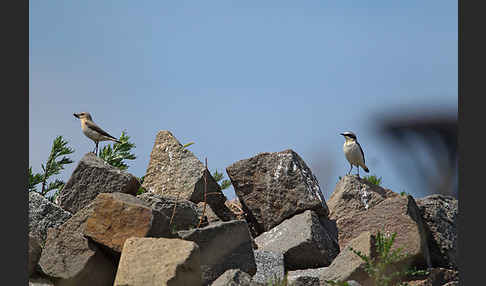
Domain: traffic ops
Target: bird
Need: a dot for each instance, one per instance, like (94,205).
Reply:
(93,131)
(353,152)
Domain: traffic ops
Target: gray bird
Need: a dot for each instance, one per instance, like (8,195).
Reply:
(93,131)
(353,152)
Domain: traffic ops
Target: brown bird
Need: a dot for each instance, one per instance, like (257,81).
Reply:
(93,131)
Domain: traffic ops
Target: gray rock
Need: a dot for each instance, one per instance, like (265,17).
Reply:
(91,177)
(440,215)
(175,172)
(186,213)
(273,187)
(159,261)
(43,215)
(69,258)
(34,254)
(269,264)
(307,277)
(303,240)
(209,215)
(223,245)
(233,277)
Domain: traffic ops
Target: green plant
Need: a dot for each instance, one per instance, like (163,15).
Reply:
(379,267)
(224,184)
(403,193)
(373,179)
(141,189)
(187,145)
(121,151)
(53,166)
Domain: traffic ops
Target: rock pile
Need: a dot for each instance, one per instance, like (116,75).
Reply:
(279,227)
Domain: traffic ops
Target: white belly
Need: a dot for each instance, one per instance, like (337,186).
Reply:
(353,154)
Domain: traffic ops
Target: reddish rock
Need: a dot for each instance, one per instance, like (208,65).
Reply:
(117,217)
(357,206)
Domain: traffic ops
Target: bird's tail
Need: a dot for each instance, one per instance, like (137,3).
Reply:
(366,169)
(116,140)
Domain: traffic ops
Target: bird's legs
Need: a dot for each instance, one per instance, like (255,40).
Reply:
(96,153)
(358,171)
(350,169)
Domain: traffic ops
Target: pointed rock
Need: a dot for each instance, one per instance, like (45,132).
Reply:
(175,172)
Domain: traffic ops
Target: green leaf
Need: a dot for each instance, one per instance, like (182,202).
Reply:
(187,145)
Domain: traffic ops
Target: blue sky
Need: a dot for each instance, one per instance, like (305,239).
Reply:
(241,77)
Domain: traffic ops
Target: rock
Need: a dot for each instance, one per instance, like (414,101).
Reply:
(357,206)
(186,212)
(272,187)
(307,277)
(69,258)
(33,255)
(223,245)
(440,215)
(43,214)
(233,277)
(40,281)
(175,172)
(304,241)
(159,261)
(91,177)
(438,276)
(209,215)
(347,265)
(118,216)
(269,265)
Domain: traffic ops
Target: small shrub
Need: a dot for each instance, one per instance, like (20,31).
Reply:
(224,184)
(53,166)
(373,179)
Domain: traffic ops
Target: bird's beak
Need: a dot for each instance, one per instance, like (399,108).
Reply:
(76,115)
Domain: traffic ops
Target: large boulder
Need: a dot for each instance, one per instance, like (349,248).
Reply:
(270,265)
(357,206)
(117,217)
(43,215)
(159,261)
(272,187)
(223,245)
(174,171)
(69,258)
(91,177)
(440,214)
(304,241)
(33,254)
(185,215)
